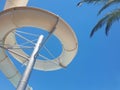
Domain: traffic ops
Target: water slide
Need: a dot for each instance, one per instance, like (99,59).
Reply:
(27,16)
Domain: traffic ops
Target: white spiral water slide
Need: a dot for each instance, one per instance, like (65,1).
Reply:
(6,66)
(26,16)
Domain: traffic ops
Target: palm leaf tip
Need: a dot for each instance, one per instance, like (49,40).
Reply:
(108,3)
(92,33)
(79,4)
(112,17)
(107,29)
(99,25)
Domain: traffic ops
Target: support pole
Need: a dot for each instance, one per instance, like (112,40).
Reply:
(24,80)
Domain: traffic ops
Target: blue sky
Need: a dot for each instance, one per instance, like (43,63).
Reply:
(97,63)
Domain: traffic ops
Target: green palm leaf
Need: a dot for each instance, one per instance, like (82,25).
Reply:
(109,19)
(109,3)
(112,17)
(90,1)
(98,25)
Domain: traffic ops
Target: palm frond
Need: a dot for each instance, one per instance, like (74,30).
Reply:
(90,1)
(112,17)
(109,19)
(109,3)
(98,25)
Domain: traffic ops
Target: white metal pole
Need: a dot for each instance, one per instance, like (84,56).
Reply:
(23,82)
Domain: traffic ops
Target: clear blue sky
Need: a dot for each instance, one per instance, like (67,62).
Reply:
(97,63)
